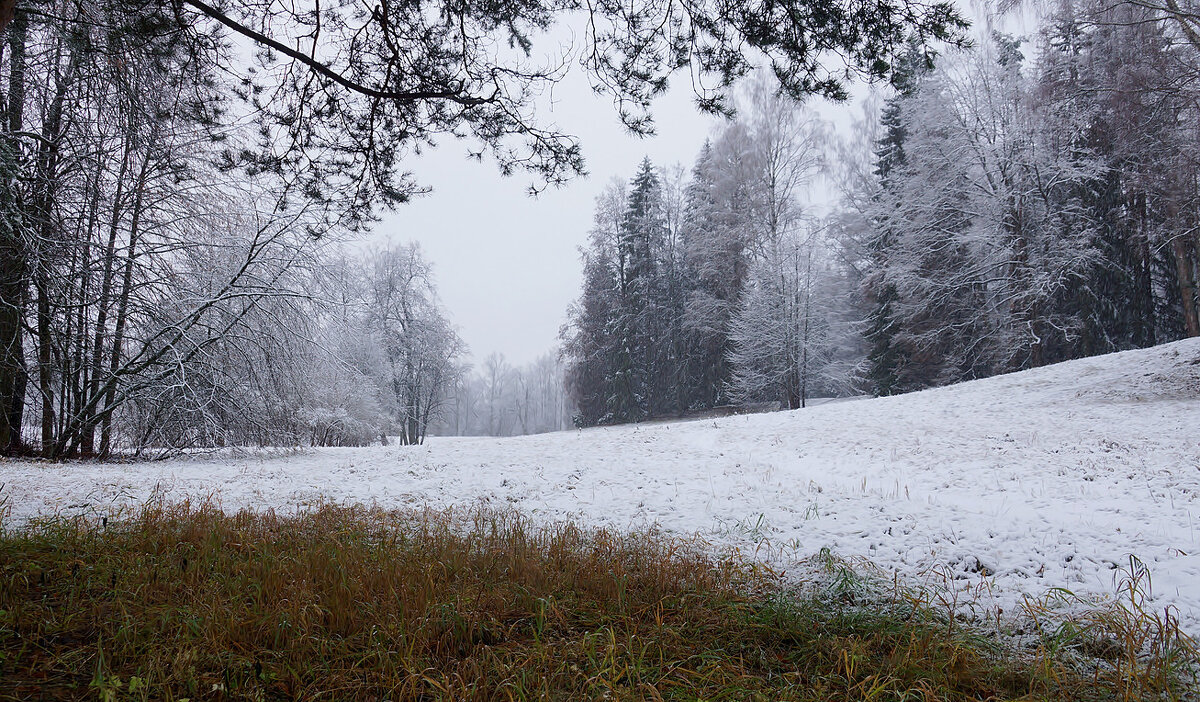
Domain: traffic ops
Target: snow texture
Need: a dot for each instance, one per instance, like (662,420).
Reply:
(1008,486)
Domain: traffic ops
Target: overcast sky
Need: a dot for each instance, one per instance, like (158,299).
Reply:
(507,265)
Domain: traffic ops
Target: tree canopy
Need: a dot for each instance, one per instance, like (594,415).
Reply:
(345,90)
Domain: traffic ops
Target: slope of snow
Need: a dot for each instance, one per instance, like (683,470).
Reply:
(1010,485)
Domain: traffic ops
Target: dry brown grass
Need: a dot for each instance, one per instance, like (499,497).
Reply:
(183,601)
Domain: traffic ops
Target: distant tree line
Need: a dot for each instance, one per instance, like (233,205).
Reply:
(500,399)
(998,212)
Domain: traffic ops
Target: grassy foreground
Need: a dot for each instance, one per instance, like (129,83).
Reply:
(185,602)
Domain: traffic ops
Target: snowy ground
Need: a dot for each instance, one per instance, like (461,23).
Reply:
(1021,483)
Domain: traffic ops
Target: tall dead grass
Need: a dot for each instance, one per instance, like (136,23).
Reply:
(183,601)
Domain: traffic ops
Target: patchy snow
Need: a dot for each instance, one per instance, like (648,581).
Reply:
(1011,485)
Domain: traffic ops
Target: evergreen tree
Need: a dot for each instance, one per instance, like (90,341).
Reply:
(592,338)
(884,356)
(715,260)
(637,392)
(1112,78)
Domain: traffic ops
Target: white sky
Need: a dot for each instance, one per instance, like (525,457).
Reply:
(507,265)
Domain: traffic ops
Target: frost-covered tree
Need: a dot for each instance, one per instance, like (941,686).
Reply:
(420,347)
(638,390)
(986,242)
(717,244)
(590,338)
(653,333)
(624,340)
(884,357)
(1125,90)
(499,399)
(781,334)
(789,334)
(1015,217)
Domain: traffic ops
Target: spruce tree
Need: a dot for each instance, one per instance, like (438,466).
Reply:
(885,356)
(635,373)
(714,266)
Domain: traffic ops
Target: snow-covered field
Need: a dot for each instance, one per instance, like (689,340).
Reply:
(1047,478)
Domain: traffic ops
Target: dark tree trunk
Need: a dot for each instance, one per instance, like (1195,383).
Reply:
(45,372)
(88,441)
(81,361)
(44,210)
(123,307)
(13,255)
(1145,280)
(1187,287)
(12,310)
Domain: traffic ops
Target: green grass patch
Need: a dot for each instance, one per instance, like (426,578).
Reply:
(186,602)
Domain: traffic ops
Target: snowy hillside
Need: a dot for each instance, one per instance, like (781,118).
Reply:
(1046,478)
